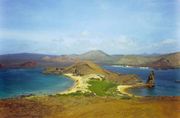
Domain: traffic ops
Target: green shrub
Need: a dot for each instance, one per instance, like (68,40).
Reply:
(102,88)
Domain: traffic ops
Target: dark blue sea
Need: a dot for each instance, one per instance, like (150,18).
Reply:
(167,81)
(15,82)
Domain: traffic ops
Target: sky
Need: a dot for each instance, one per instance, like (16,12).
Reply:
(77,26)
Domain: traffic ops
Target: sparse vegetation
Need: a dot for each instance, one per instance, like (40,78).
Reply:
(103,88)
(78,93)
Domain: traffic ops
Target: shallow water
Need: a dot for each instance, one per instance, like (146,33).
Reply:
(167,81)
(15,82)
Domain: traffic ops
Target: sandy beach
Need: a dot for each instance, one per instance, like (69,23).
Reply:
(123,89)
(80,84)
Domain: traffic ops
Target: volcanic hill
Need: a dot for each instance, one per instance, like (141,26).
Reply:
(83,68)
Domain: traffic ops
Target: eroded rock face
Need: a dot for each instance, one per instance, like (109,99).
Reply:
(151,80)
(28,64)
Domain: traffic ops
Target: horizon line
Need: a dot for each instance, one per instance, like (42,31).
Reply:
(51,54)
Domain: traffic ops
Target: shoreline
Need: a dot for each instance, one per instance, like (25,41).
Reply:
(126,66)
(80,84)
(73,88)
(144,67)
(124,89)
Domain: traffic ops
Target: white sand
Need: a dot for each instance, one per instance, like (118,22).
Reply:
(81,84)
(123,88)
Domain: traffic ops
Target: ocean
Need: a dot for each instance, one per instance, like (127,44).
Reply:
(167,81)
(15,82)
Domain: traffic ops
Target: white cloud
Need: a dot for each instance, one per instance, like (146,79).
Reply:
(170,42)
(126,42)
(85,33)
(57,42)
(28,35)
(163,46)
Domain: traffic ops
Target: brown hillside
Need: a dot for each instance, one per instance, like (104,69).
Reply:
(174,59)
(94,55)
(162,63)
(84,68)
(28,64)
(87,67)
(167,61)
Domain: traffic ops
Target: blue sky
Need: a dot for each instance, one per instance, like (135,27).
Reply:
(77,26)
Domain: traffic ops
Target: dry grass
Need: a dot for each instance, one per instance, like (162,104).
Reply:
(90,107)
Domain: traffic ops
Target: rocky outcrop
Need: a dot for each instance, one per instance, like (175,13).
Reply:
(151,80)
(28,64)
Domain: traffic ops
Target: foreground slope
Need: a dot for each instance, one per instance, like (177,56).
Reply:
(90,107)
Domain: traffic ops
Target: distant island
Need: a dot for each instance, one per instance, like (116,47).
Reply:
(158,61)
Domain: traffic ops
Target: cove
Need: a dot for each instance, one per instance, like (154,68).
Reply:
(15,82)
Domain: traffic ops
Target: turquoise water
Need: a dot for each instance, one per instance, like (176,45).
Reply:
(15,82)
(167,81)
